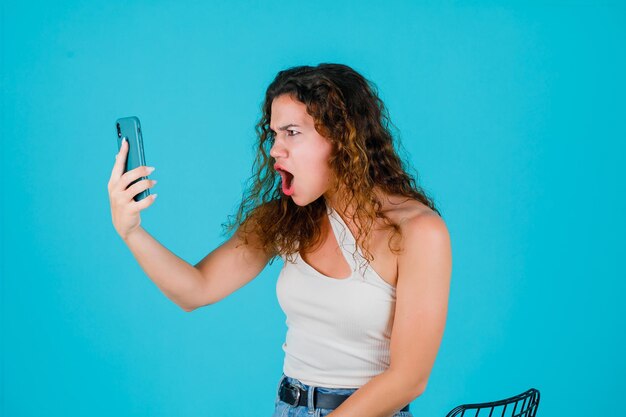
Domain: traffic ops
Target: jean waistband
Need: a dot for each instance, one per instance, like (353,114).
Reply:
(296,393)
(330,390)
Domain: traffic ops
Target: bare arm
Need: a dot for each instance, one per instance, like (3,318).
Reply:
(221,272)
(230,267)
(177,279)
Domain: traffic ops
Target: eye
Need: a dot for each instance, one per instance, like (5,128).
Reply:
(291,130)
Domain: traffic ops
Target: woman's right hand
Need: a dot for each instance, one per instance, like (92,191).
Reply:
(124,209)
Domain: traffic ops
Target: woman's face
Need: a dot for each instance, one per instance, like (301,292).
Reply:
(299,149)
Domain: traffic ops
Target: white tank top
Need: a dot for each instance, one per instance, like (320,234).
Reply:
(338,330)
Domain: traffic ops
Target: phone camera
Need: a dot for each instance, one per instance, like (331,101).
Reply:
(119,131)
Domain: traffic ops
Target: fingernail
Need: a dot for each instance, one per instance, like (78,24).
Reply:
(150,169)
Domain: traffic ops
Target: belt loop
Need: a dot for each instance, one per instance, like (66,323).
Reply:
(311,400)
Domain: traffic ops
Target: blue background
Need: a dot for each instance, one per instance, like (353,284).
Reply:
(511,113)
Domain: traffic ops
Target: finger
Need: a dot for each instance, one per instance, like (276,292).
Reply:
(138,187)
(120,159)
(118,166)
(132,175)
(142,204)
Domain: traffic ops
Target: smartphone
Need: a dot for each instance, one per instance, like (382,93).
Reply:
(130,128)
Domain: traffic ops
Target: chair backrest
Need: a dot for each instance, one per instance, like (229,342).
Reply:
(522,405)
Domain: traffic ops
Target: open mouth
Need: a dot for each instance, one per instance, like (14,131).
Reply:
(287,181)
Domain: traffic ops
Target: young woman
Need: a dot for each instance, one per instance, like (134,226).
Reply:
(367,257)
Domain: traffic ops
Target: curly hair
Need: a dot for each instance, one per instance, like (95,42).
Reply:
(346,111)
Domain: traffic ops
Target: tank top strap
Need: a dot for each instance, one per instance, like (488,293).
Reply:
(351,251)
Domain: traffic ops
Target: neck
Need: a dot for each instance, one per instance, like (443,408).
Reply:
(338,203)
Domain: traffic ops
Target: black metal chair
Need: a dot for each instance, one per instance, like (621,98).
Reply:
(529,403)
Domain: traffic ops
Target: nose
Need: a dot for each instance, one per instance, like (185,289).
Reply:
(277,150)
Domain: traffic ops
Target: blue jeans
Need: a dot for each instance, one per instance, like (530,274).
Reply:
(283,409)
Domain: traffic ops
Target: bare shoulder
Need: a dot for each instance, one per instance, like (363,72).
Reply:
(419,224)
(425,258)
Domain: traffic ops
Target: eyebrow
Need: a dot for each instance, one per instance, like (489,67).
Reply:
(285,127)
